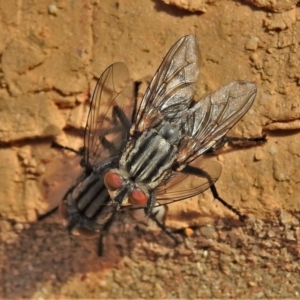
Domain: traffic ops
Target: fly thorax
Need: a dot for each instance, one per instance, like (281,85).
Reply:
(169,132)
(149,158)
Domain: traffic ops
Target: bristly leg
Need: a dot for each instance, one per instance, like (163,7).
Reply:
(120,115)
(190,170)
(153,217)
(103,232)
(108,145)
(135,106)
(58,146)
(230,207)
(47,214)
(239,140)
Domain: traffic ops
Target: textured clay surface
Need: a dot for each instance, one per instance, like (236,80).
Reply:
(275,5)
(51,55)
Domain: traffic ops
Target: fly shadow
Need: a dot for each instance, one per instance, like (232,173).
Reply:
(43,255)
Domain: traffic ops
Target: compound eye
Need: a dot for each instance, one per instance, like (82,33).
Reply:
(138,198)
(112,181)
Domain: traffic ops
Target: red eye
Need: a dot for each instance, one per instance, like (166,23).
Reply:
(138,198)
(112,181)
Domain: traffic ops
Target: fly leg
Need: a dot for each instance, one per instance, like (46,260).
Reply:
(257,139)
(120,121)
(231,139)
(153,217)
(47,214)
(119,114)
(152,213)
(135,105)
(230,207)
(108,145)
(58,146)
(80,152)
(150,203)
(198,172)
(103,232)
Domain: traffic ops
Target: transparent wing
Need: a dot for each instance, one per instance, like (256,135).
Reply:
(106,126)
(213,116)
(184,186)
(172,87)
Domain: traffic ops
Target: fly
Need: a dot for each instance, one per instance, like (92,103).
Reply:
(136,157)
(170,131)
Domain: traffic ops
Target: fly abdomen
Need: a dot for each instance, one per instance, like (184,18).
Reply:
(91,196)
(97,205)
(86,191)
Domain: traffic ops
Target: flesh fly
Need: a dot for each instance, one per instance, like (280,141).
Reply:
(139,157)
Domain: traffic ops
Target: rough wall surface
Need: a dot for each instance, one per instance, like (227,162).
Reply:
(51,55)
